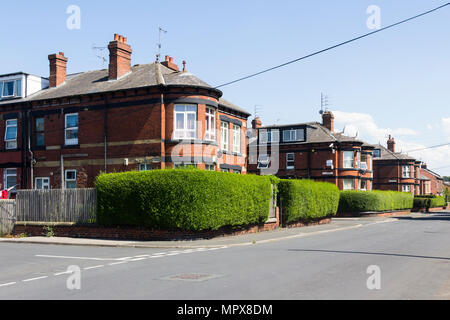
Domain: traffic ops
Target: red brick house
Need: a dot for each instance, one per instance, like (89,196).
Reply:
(311,150)
(394,170)
(430,182)
(122,118)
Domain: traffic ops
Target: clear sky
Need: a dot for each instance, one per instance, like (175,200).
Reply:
(395,82)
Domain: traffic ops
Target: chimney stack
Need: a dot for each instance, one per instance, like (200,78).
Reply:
(328,120)
(58,69)
(391,144)
(169,64)
(119,57)
(256,123)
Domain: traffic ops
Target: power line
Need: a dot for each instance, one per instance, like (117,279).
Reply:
(335,46)
(432,147)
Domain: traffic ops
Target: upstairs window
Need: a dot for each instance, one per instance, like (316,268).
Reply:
(71,129)
(11,134)
(269,136)
(210,124)
(39,132)
(10,89)
(376,153)
(236,139)
(364,161)
(349,159)
(263,161)
(224,135)
(294,135)
(185,121)
(406,170)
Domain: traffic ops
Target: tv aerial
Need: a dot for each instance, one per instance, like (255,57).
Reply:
(324,102)
(97,52)
(161,30)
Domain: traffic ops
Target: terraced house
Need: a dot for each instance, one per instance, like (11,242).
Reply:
(122,118)
(311,150)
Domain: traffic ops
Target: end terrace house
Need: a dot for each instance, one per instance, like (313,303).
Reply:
(311,151)
(123,118)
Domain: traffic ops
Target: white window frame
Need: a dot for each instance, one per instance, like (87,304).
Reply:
(360,185)
(225,135)
(269,136)
(290,161)
(185,133)
(346,162)
(3,88)
(70,180)
(236,138)
(47,183)
(293,135)
(39,132)
(210,121)
(406,188)
(352,184)
(11,143)
(70,142)
(378,151)
(5,178)
(406,171)
(263,161)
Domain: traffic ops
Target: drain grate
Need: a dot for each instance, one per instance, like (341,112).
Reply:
(196,277)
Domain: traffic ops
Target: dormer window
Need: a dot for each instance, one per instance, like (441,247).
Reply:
(376,153)
(271,136)
(10,88)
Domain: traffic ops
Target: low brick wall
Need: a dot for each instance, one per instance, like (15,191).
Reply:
(375,214)
(134,233)
(308,223)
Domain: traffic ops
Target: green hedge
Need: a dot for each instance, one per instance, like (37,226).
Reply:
(377,201)
(429,202)
(306,200)
(182,199)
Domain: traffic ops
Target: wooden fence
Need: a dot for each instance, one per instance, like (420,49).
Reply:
(70,205)
(7,216)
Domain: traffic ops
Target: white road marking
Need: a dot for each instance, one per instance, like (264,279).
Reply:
(7,284)
(94,267)
(34,279)
(138,259)
(173,254)
(61,273)
(159,253)
(143,256)
(77,258)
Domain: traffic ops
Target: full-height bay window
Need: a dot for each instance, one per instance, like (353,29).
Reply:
(185,121)
(349,184)
(210,124)
(71,129)
(406,171)
(11,134)
(349,159)
(224,135)
(236,139)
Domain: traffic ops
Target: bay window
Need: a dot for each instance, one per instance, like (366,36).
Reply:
(210,124)
(349,184)
(185,121)
(11,134)
(406,171)
(236,139)
(349,159)
(224,135)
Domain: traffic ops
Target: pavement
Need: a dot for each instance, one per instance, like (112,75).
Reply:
(246,239)
(410,256)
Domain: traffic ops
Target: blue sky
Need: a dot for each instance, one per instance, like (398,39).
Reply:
(395,82)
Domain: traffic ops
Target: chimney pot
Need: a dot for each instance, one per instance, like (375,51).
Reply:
(391,144)
(167,58)
(171,60)
(169,64)
(116,37)
(58,69)
(328,120)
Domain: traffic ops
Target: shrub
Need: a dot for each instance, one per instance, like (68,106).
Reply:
(306,200)
(377,201)
(429,201)
(184,199)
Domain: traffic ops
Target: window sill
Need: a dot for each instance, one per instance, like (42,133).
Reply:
(70,146)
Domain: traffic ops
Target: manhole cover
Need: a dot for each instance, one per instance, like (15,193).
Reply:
(192,277)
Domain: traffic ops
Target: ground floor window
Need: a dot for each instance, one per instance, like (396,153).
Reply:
(210,167)
(349,184)
(363,185)
(184,165)
(71,179)
(224,170)
(406,188)
(144,167)
(10,179)
(237,171)
(42,183)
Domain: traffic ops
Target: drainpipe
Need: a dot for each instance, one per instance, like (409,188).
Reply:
(29,150)
(105,136)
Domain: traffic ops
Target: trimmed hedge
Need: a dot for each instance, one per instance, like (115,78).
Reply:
(429,202)
(182,199)
(378,201)
(304,200)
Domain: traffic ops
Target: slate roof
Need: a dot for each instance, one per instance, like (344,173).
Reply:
(387,154)
(317,133)
(143,75)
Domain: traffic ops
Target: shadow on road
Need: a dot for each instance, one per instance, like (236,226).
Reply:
(436,216)
(371,253)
